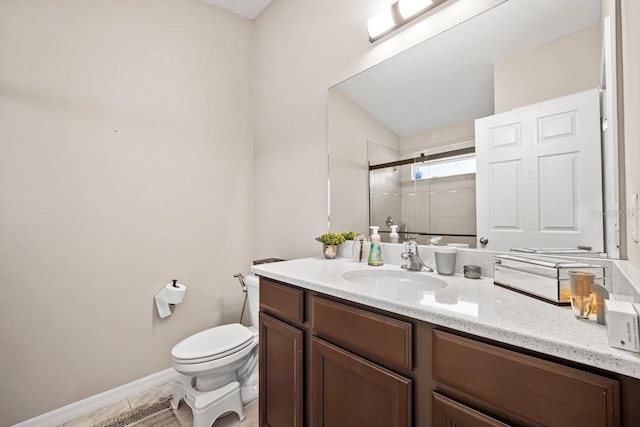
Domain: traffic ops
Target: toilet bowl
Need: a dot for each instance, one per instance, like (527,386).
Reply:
(219,367)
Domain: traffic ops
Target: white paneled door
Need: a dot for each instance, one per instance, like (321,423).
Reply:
(539,180)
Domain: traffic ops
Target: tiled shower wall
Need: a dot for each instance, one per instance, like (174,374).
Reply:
(438,205)
(385,197)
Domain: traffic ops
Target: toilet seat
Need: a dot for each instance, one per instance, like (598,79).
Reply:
(212,344)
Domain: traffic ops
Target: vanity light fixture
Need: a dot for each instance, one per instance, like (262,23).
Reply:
(381,23)
(393,17)
(410,8)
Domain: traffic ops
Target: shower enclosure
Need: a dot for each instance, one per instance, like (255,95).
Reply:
(430,197)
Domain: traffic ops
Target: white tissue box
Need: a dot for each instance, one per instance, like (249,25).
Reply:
(622,325)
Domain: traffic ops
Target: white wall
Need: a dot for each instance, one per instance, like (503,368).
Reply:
(126,146)
(377,153)
(460,135)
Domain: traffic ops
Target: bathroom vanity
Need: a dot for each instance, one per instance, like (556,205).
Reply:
(340,353)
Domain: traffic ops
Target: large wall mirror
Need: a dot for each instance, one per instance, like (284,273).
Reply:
(499,133)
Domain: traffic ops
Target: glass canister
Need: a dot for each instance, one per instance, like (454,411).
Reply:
(582,299)
(472,271)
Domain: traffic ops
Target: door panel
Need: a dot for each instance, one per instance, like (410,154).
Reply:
(557,176)
(538,176)
(557,126)
(506,195)
(505,136)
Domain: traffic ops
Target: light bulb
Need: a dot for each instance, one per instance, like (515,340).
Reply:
(380,23)
(409,8)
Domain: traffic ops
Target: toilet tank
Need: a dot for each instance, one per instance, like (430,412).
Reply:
(253,291)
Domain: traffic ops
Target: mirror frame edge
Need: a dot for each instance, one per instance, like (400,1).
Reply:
(622,187)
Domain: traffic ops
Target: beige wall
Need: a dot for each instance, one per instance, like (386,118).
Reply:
(631,72)
(301,49)
(350,129)
(565,66)
(125,141)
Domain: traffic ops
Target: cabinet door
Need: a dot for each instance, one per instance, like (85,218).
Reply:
(281,363)
(543,392)
(449,413)
(347,390)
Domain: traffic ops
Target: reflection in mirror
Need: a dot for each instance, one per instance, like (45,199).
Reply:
(416,194)
(515,57)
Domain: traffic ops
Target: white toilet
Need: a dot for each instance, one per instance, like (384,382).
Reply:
(219,367)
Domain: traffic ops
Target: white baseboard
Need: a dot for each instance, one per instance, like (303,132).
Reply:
(67,413)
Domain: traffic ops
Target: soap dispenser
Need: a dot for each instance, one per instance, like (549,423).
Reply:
(393,237)
(375,253)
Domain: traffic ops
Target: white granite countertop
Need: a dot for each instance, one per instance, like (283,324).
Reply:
(475,306)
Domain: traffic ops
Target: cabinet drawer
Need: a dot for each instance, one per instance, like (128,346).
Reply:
(371,335)
(538,390)
(447,413)
(283,300)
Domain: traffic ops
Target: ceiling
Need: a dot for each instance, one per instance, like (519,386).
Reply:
(448,79)
(247,8)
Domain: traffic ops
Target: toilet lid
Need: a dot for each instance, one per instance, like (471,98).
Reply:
(218,341)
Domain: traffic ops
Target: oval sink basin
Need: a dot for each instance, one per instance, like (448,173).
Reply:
(395,279)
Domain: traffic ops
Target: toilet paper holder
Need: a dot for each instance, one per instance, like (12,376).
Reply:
(172,293)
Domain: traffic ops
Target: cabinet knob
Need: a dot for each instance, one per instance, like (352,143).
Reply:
(483,241)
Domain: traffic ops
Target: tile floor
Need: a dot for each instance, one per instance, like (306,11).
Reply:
(153,395)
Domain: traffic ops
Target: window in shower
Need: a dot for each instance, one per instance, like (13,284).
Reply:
(441,168)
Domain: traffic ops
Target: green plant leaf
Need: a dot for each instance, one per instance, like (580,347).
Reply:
(331,238)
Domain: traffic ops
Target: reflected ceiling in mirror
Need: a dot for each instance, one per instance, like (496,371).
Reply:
(449,78)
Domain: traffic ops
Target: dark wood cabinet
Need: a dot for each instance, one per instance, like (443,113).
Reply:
(282,300)
(324,363)
(348,390)
(449,413)
(381,338)
(534,390)
(281,373)
(328,362)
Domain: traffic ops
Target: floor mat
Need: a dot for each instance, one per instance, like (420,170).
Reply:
(156,415)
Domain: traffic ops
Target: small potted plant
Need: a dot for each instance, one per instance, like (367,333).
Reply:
(330,242)
(350,235)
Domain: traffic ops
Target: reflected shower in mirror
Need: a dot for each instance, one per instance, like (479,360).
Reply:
(426,100)
(432,198)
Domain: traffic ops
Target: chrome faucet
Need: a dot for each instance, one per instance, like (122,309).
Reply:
(412,257)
